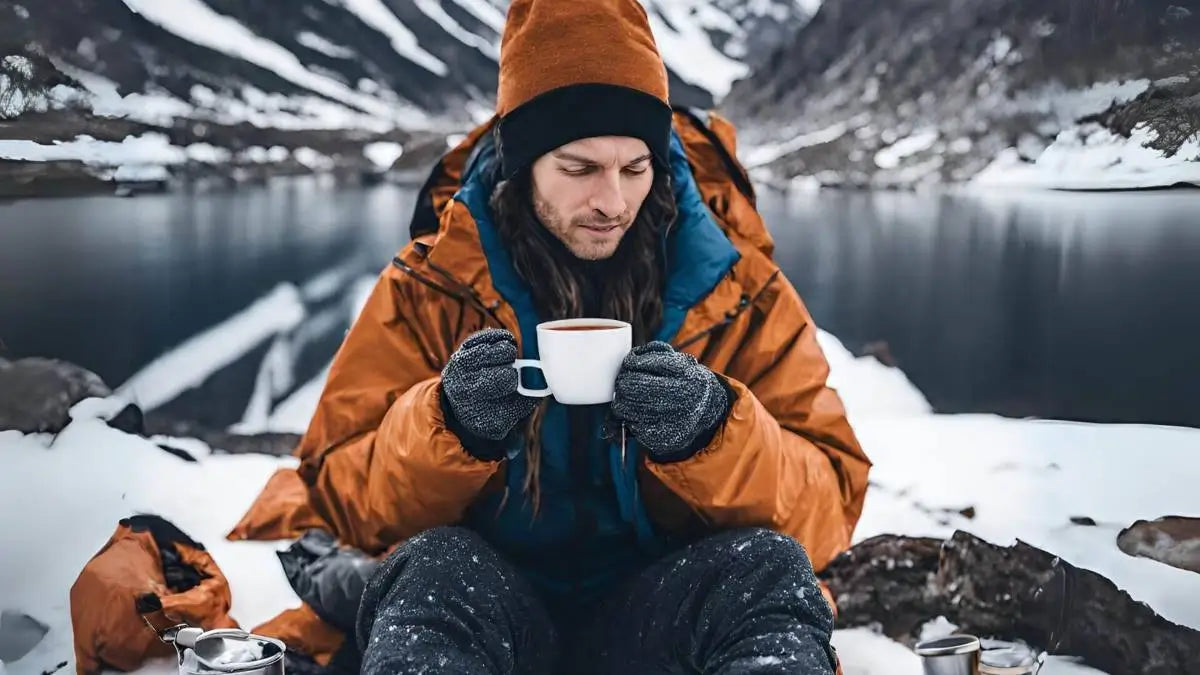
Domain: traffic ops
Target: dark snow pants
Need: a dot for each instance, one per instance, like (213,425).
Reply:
(744,601)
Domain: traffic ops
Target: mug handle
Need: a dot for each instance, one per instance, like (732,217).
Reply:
(532,393)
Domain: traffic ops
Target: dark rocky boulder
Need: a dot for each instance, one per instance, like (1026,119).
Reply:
(1014,593)
(1171,540)
(36,394)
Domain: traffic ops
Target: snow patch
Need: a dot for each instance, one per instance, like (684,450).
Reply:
(138,173)
(937,628)
(433,9)
(20,65)
(960,146)
(484,11)
(274,378)
(890,157)
(864,652)
(206,153)
(766,154)
(325,285)
(101,96)
(259,155)
(809,7)
(383,154)
(312,159)
(1091,157)
(320,44)
(689,52)
(149,148)
(376,15)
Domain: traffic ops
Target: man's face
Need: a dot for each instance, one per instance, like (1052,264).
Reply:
(588,192)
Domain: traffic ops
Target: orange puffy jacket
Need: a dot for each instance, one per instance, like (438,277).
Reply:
(786,458)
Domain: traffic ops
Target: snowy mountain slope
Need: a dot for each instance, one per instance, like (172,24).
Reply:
(401,61)
(304,83)
(924,90)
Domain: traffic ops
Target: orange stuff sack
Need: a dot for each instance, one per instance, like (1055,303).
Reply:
(147,565)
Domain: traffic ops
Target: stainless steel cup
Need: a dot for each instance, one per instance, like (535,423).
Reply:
(951,655)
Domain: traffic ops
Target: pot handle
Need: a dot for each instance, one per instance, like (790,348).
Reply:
(178,635)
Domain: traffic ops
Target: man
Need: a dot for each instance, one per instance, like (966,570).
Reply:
(534,537)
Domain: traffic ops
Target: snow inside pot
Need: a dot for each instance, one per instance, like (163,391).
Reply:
(226,650)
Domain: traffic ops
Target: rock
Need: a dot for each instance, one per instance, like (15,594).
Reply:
(181,454)
(1171,540)
(881,351)
(36,394)
(19,634)
(130,420)
(1011,593)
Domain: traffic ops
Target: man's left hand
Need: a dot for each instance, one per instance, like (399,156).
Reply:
(671,403)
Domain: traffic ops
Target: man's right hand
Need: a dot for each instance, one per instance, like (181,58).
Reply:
(479,385)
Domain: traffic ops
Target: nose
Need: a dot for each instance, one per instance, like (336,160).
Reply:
(606,197)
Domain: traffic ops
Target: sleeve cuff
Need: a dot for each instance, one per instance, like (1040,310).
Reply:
(480,448)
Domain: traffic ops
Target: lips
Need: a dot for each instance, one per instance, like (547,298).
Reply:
(601,229)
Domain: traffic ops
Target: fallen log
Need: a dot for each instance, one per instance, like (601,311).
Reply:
(1009,593)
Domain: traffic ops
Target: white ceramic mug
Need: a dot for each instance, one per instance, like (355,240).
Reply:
(580,359)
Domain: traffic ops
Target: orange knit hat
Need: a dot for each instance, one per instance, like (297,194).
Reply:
(572,69)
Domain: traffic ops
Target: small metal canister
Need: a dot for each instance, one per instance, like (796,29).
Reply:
(950,655)
(225,651)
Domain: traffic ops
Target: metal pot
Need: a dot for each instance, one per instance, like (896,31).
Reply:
(225,650)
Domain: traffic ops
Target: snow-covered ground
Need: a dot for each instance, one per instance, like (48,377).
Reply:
(1090,157)
(61,496)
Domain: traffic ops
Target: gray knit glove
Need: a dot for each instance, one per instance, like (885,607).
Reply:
(671,403)
(479,388)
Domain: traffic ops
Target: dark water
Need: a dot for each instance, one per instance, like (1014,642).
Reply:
(111,283)
(1052,305)
(1076,306)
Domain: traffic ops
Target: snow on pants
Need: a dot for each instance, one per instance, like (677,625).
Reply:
(743,601)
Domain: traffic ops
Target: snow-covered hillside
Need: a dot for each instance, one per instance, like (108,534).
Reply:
(1037,93)
(362,63)
(297,85)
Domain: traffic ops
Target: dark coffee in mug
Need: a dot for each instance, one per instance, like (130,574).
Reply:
(584,327)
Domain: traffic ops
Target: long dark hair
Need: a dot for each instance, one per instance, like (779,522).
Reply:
(632,280)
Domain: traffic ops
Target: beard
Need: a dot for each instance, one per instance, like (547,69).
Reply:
(575,235)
